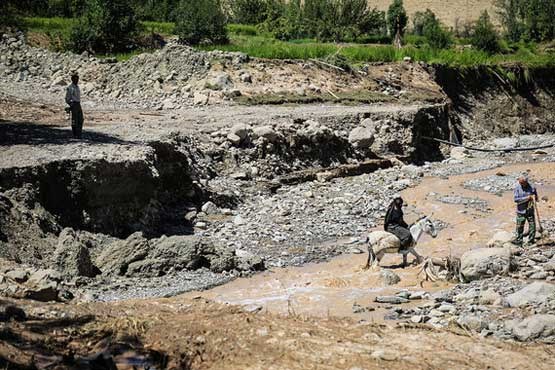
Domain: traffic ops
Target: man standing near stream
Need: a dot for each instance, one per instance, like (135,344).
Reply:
(525,197)
(73,99)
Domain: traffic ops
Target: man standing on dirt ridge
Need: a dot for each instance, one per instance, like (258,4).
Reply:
(525,197)
(73,99)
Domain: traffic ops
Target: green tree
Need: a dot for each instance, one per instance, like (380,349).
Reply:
(7,13)
(397,18)
(249,11)
(201,21)
(437,36)
(485,36)
(421,19)
(531,20)
(106,26)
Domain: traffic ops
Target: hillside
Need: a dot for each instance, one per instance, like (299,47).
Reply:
(450,12)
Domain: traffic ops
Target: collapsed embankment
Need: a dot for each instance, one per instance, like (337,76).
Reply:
(499,100)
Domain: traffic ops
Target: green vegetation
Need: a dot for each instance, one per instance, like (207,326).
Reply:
(397,18)
(105,26)
(485,36)
(201,21)
(295,29)
(528,20)
(249,12)
(275,49)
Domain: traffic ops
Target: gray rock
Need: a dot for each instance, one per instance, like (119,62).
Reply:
(266,132)
(72,256)
(43,291)
(459,153)
(534,293)
(18,275)
(391,299)
(41,276)
(485,262)
(210,208)
(388,277)
(361,137)
(220,81)
(247,261)
(116,257)
(535,327)
(240,130)
(499,239)
(234,139)
(200,99)
(472,321)
(489,297)
(540,275)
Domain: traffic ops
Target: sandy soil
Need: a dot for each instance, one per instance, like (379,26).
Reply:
(448,11)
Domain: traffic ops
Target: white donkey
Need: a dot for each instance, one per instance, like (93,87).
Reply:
(382,242)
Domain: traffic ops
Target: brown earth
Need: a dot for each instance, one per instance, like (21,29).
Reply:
(450,12)
(203,335)
(309,326)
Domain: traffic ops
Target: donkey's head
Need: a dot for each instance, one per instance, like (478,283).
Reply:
(427,226)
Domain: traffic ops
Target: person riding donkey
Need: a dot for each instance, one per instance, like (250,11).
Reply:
(525,197)
(396,225)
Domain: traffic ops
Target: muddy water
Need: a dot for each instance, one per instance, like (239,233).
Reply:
(333,288)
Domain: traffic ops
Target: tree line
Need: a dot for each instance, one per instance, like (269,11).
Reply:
(112,25)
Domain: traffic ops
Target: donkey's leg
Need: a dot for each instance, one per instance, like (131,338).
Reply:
(369,260)
(404,259)
(378,258)
(419,258)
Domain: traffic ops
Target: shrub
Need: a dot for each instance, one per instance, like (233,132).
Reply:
(201,22)
(437,36)
(397,18)
(421,19)
(106,26)
(325,20)
(485,37)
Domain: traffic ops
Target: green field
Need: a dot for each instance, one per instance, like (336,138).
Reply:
(247,39)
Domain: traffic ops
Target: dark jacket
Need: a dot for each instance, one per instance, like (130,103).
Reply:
(394,217)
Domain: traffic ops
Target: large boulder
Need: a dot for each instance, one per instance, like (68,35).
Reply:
(535,293)
(266,132)
(238,133)
(539,327)
(247,261)
(362,137)
(500,238)
(182,252)
(72,256)
(485,262)
(116,257)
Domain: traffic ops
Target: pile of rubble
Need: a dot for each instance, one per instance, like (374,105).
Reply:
(170,78)
(509,294)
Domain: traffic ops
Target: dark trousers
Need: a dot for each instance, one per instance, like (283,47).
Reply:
(76,120)
(521,220)
(402,233)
